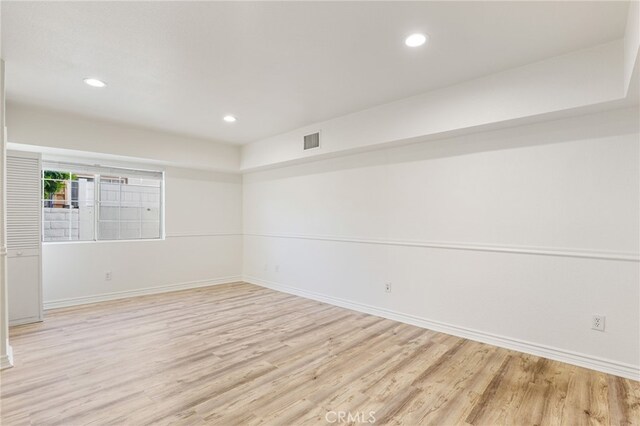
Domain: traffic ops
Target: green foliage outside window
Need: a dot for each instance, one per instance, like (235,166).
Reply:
(51,187)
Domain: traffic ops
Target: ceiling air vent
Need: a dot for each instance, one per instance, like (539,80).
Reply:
(312,141)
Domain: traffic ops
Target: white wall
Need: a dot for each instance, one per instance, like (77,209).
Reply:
(203,214)
(30,125)
(631,42)
(516,237)
(203,246)
(591,77)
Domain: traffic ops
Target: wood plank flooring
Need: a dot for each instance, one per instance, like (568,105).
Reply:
(241,354)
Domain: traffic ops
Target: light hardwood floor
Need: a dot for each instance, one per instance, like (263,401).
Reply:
(241,354)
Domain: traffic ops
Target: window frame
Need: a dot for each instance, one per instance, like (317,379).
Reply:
(68,167)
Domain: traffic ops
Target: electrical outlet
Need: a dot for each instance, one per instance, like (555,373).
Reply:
(265,267)
(107,276)
(277,268)
(387,287)
(597,322)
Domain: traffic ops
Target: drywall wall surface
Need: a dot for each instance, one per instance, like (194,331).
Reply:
(29,125)
(203,246)
(516,237)
(584,78)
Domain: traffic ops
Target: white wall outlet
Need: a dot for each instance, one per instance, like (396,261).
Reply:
(387,287)
(277,268)
(597,322)
(107,276)
(265,267)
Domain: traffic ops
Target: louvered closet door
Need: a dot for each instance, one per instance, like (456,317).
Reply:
(23,237)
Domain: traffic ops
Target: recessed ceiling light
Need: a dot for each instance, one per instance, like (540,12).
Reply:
(94,82)
(415,40)
(229,118)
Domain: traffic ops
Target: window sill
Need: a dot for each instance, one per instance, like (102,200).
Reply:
(103,241)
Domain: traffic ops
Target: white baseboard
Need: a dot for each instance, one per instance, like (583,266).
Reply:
(582,360)
(22,321)
(73,301)
(6,360)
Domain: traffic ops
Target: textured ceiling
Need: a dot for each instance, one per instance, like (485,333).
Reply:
(181,66)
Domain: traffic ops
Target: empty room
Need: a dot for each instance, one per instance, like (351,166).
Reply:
(320,213)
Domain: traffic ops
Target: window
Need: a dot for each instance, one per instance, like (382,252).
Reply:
(96,203)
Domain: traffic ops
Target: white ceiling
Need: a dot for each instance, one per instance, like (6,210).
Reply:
(181,66)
